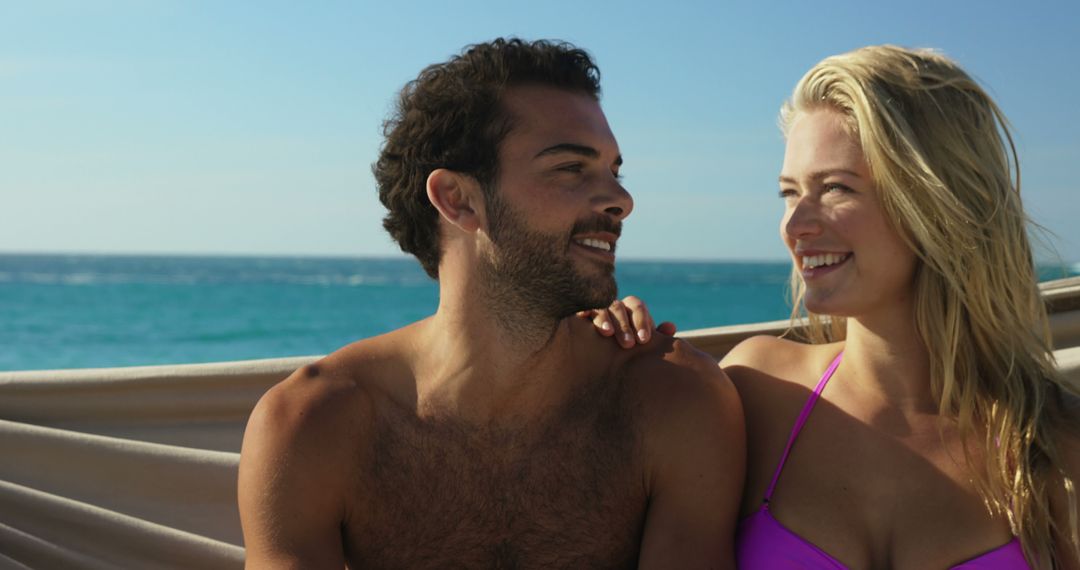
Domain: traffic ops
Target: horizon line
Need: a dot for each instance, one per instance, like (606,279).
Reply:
(1072,264)
(403,256)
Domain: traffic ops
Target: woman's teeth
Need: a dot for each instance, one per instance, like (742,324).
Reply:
(812,261)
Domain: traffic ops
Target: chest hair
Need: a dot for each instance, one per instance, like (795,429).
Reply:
(565,491)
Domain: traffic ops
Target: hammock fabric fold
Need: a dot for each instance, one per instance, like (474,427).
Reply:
(126,467)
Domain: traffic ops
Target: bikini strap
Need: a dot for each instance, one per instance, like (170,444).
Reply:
(803,416)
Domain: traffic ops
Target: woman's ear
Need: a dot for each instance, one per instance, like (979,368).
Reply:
(456,197)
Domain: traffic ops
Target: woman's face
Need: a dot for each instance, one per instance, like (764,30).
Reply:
(852,260)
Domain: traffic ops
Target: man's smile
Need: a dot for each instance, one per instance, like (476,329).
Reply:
(596,244)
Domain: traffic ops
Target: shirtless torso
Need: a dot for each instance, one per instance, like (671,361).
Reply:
(565,490)
(380,472)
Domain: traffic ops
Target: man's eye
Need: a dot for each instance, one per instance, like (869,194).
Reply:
(570,167)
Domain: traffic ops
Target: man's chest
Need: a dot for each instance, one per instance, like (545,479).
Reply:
(571,493)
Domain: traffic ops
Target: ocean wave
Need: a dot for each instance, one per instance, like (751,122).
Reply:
(89,279)
(84,279)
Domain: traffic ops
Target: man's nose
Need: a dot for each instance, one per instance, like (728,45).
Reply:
(614,200)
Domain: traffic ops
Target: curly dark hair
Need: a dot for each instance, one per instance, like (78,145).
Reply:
(450,116)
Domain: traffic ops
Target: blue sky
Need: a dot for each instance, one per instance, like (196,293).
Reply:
(146,126)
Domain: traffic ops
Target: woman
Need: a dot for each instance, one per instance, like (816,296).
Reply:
(923,425)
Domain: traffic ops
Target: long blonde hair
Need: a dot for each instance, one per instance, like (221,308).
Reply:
(943,159)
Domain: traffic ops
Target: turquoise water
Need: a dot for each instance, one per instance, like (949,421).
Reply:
(98,311)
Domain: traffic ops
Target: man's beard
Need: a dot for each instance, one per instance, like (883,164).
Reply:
(531,274)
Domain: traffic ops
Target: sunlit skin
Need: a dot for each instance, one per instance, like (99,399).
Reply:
(831,207)
(560,202)
(555,180)
(565,169)
(832,210)
(493,433)
(876,478)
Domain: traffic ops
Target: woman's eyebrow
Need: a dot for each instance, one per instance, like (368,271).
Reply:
(820,174)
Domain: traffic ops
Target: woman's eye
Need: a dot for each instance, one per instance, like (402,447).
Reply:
(787,193)
(837,188)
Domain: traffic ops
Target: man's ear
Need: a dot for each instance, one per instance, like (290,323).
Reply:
(456,197)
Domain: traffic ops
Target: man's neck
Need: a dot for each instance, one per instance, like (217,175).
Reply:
(487,355)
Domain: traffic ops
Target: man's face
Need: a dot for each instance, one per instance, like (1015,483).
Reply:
(557,207)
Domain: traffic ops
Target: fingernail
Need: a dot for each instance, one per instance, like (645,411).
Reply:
(606,326)
(644,336)
(628,338)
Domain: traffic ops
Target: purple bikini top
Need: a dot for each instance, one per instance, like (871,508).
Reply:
(762,542)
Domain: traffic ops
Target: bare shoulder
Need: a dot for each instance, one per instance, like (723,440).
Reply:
(764,353)
(328,405)
(762,358)
(667,373)
(676,378)
(773,375)
(687,401)
(302,448)
(336,392)
(331,396)
(695,456)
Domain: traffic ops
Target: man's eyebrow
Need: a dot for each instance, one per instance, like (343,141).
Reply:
(818,175)
(582,150)
(571,148)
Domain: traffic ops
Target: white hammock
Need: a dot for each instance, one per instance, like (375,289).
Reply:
(136,467)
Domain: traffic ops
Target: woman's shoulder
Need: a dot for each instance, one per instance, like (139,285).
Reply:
(768,357)
(756,349)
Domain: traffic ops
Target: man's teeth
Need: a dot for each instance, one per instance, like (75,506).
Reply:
(596,243)
(812,261)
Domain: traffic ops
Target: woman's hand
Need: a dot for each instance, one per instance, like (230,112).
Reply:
(628,321)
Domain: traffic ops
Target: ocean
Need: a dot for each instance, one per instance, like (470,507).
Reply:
(88,311)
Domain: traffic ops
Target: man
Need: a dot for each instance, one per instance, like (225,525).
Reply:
(498,432)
